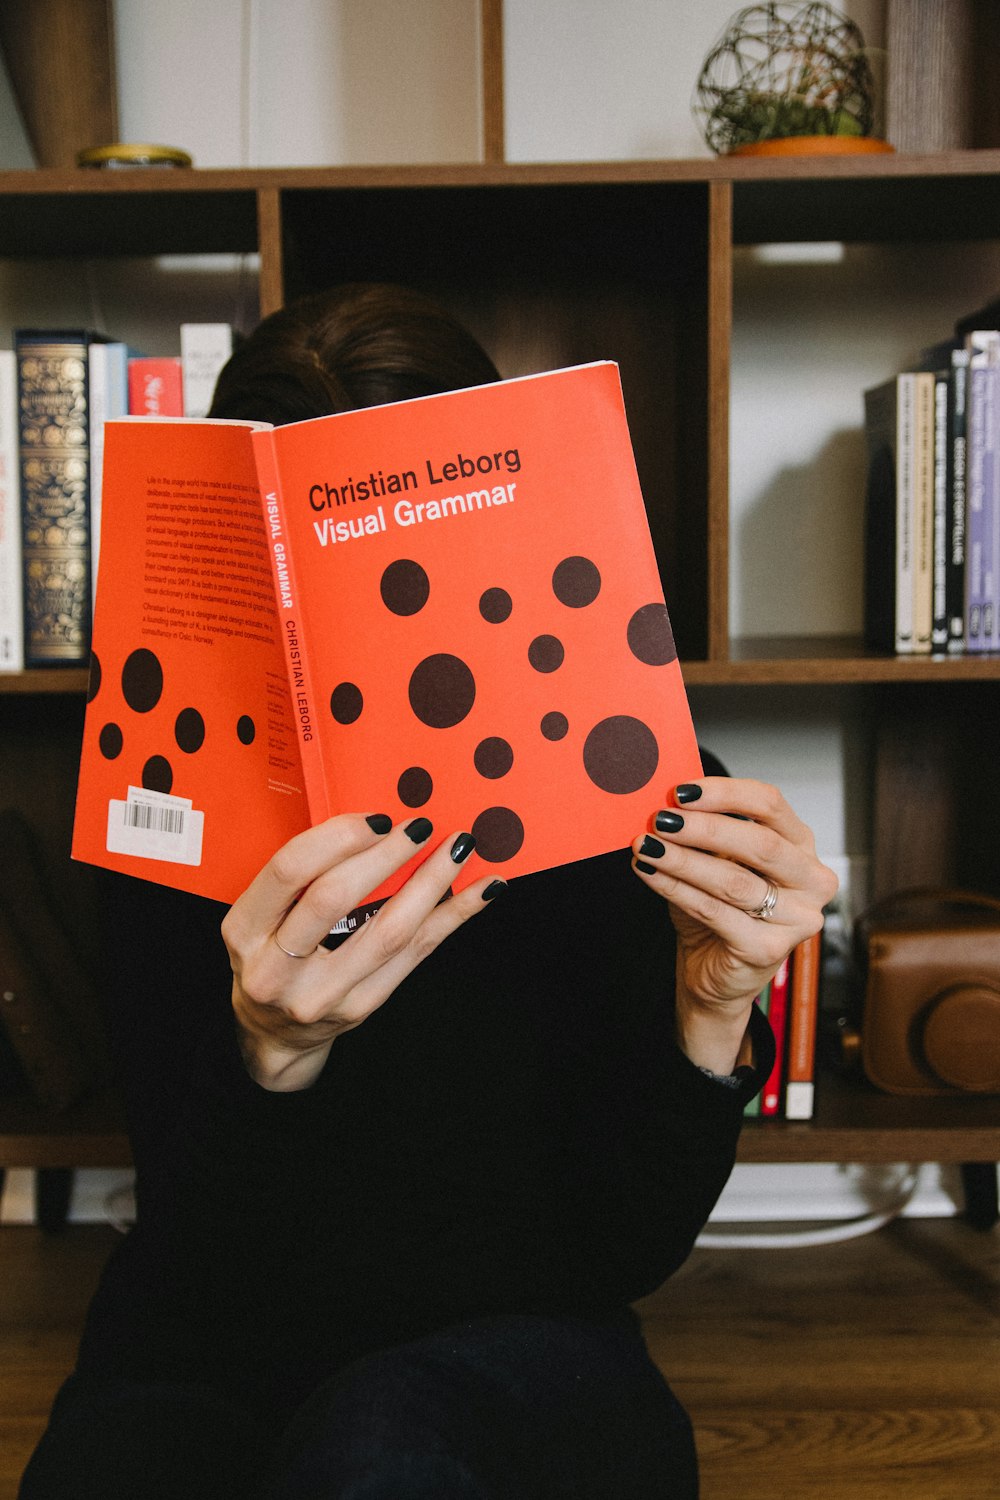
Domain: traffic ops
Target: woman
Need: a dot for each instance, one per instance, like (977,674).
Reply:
(396,1196)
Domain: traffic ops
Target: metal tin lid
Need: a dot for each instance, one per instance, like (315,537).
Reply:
(132,154)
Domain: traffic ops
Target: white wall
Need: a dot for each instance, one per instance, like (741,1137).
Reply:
(313,82)
(268,83)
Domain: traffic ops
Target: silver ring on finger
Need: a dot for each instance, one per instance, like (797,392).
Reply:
(765,910)
(288,952)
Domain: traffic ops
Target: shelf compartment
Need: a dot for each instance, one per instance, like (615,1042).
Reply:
(855,1122)
(831,660)
(70,214)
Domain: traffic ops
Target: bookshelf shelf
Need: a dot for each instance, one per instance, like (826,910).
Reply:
(88,1134)
(554,264)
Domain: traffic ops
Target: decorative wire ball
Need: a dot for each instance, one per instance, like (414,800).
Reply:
(783,70)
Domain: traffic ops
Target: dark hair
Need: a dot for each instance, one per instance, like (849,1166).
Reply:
(360,344)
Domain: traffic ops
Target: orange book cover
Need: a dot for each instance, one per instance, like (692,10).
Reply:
(447,607)
(803,1010)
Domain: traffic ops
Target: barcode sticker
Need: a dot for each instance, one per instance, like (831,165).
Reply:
(154,825)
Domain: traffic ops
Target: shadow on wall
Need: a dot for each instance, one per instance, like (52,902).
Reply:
(798,551)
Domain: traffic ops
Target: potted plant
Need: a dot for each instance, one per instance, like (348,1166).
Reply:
(788,79)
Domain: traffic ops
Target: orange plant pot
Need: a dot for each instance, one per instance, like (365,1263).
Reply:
(814,145)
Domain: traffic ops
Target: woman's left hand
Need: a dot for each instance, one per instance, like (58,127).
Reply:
(744,883)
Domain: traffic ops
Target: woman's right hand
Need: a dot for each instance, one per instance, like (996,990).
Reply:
(291,1008)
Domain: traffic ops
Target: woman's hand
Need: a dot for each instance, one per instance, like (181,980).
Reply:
(292,996)
(745,886)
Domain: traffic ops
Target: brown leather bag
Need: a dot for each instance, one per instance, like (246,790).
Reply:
(931,1018)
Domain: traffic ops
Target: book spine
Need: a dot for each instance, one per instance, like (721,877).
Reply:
(803,1010)
(108,376)
(981,473)
(155,387)
(904,513)
(991,483)
(958,390)
(923,511)
(763,1002)
(11,620)
(770,1104)
(939,618)
(879,588)
(205,348)
(54,450)
(303,704)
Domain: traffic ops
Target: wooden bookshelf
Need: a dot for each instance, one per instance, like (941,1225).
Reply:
(554,264)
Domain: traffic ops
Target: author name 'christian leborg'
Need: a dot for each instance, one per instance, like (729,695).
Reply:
(329,496)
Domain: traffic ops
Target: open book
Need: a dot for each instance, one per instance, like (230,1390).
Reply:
(446,607)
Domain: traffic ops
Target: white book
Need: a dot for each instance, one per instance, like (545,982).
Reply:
(905,478)
(11,616)
(205,347)
(107,397)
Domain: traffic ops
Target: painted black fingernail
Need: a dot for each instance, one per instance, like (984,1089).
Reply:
(641,864)
(493,889)
(379,823)
(462,847)
(652,846)
(419,830)
(688,791)
(669,822)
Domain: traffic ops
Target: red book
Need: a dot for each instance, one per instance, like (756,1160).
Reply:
(155,387)
(803,1009)
(448,606)
(770,1103)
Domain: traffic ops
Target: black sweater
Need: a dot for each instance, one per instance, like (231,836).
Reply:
(514,1131)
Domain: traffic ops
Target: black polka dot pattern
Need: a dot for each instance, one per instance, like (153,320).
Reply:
(415,787)
(189,730)
(346,703)
(555,726)
(405,587)
(442,691)
(493,758)
(546,653)
(142,681)
(111,741)
(246,730)
(499,834)
(620,755)
(157,774)
(650,638)
(576,582)
(495,606)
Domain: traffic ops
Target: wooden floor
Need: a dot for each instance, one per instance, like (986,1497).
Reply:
(865,1369)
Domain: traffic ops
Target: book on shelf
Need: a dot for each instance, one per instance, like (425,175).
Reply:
(108,381)
(447,607)
(55,475)
(777,1015)
(205,348)
(903,488)
(982,491)
(803,1015)
(155,386)
(11,615)
(939,546)
(921,492)
(888,552)
(955,484)
(763,1003)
